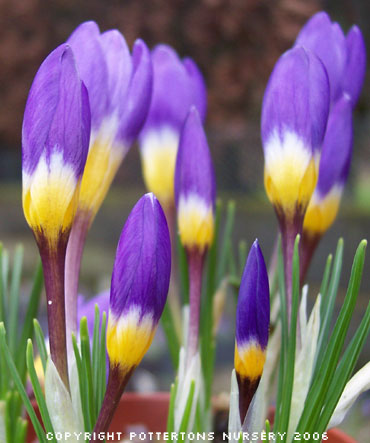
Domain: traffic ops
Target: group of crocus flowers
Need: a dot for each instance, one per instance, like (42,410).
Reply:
(91,99)
(307,131)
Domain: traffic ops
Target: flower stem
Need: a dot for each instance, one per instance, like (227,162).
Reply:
(53,259)
(75,248)
(195,260)
(115,387)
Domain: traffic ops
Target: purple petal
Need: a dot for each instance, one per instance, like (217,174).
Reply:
(86,308)
(136,104)
(177,86)
(119,65)
(296,99)
(253,309)
(336,153)
(92,66)
(327,41)
(57,115)
(142,267)
(194,169)
(354,72)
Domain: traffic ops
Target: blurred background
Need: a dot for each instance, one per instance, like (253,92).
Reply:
(236,44)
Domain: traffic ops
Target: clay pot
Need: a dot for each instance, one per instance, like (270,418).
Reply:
(148,412)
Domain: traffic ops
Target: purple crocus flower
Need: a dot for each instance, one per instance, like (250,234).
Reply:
(333,173)
(139,288)
(294,116)
(195,189)
(55,139)
(177,85)
(344,57)
(252,327)
(140,283)
(119,86)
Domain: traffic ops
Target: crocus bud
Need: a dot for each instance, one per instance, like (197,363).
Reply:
(119,86)
(334,168)
(344,57)
(326,39)
(355,68)
(177,85)
(252,327)
(333,173)
(55,138)
(194,186)
(294,116)
(140,283)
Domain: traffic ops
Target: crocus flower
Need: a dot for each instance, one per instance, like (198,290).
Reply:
(195,201)
(344,57)
(177,85)
(139,287)
(119,86)
(294,117)
(195,191)
(252,327)
(55,138)
(333,173)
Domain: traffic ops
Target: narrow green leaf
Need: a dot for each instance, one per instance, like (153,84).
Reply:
(287,390)
(31,313)
(86,364)
(169,329)
(37,389)
(325,280)
(4,266)
(8,417)
(14,297)
(328,304)
(102,362)
(344,370)
(226,242)
(186,417)
(321,384)
(96,354)
(18,383)
(21,430)
(171,409)
(83,386)
(40,340)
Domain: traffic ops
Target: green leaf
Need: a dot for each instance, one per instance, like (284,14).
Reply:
(321,384)
(86,364)
(37,389)
(14,297)
(20,430)
(102,361)
(18,383)
(40,340)
(31,313)
(171,409)
(83,386)
(186,417)
(169,329)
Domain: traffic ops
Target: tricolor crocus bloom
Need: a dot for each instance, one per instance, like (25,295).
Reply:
(139,287)
(177,85)
(55,139)
(195,200)
(333,173)
(252,327)
(294,117)
(344,57)
(119,86)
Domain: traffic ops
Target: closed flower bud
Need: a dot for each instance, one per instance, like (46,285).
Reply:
(119,86)
(252,327)
(294,116)
(55,138)
(194,186)
(140,284)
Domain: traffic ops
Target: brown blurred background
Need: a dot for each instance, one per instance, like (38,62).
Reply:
(235,43)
